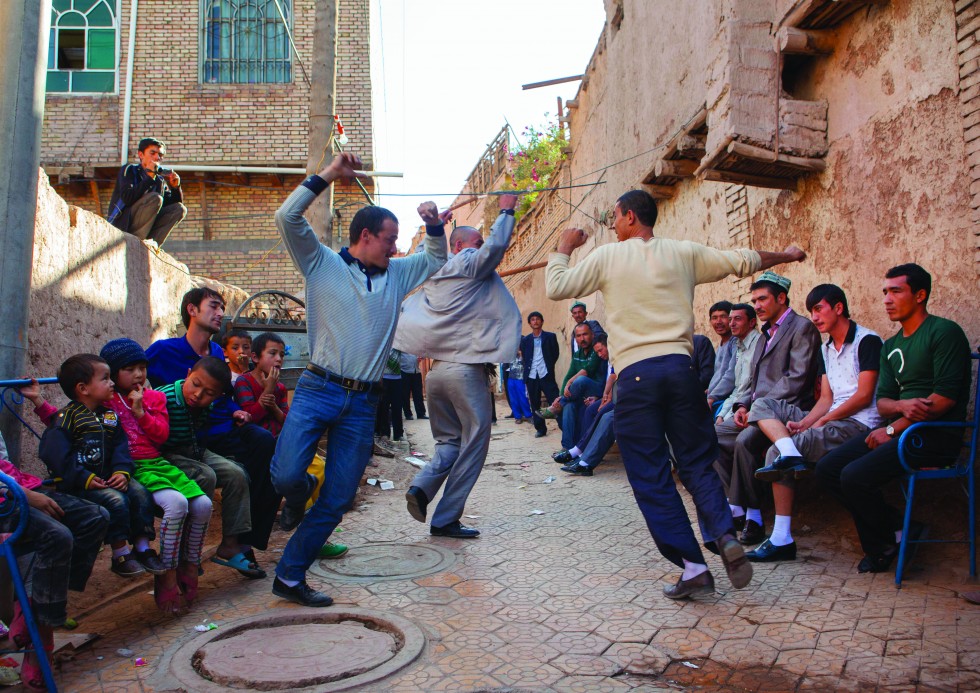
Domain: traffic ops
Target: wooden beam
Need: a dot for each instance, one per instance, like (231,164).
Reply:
(660,192)
(94,187)
(526,268)
(549,82)
(691,146)
(749,179)
(571,103)
(709,160)
(679,168)
(791,40)
(748,151)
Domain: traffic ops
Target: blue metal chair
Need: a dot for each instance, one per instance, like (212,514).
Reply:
(962,468)
(16,502)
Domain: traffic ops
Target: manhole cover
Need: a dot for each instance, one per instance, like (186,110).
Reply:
(315,649)
(385,561)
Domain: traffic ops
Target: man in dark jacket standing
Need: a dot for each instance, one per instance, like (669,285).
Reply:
(539,349)
(146,201)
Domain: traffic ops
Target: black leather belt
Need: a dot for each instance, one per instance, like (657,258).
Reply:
(346,383)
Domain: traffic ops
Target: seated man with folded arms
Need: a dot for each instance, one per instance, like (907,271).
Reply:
(784,367)
(846,409)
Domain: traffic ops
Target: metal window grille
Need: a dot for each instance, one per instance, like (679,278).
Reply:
(245,42)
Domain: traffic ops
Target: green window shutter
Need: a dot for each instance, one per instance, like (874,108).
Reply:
(60,6)
(57,81)
(101,49)
(100,16)
(93,82)
(83,6)
(71,19)
(51,40)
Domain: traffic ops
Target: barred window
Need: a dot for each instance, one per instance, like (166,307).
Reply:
(83,46)
(245,41)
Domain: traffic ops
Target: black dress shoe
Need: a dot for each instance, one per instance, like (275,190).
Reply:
(739,523)
(291,516)
(417,503)
(540,434)
(733,556)
(301,594)
(782,467)
(752,533)
(423,417)
(878,563)
(577,469)
(455,529)
(408,417)
(562,456)
(767,552)
(699,584)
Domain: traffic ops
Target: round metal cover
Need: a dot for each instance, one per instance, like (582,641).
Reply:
(385,561)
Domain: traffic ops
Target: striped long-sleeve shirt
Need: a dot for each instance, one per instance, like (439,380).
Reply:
(350,317)
(185,423)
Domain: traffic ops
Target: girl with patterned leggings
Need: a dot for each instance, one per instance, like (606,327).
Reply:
(186,509)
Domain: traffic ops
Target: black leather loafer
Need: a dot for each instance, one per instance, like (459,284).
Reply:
(456,530)
(791,466)
(752,533)
(700,584)
(301,594)
(767,552)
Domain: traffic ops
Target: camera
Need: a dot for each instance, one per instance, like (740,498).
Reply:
(163,170)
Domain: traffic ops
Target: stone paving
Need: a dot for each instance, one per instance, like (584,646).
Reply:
(562,592)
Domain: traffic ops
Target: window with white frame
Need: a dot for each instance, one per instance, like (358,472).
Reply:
(245,41)
(83,47)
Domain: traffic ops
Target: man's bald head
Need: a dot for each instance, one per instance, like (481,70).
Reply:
(465,237)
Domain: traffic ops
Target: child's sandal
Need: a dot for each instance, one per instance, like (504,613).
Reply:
(167,598)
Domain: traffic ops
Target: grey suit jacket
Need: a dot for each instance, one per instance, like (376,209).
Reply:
(464,312)
(788,370)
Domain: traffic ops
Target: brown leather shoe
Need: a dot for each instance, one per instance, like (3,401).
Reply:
(736,564)
(700,584)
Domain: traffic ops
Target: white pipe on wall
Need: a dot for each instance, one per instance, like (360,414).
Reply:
(124,146)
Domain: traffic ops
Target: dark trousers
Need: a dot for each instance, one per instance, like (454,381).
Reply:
(131,512)
(854,475)
(58,555)
(660,398)
(389,417)
(412,392)
(504,380)
(536,387)
(590,417)
(251,446)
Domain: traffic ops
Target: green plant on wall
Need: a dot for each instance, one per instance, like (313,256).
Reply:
(532,163)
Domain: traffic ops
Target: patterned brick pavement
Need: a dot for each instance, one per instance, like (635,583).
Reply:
(570,600)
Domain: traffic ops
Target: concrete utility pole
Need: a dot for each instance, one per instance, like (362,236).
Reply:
(323,92)
(23,55)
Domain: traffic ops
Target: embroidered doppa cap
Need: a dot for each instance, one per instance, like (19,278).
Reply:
(122,352)
(777,279)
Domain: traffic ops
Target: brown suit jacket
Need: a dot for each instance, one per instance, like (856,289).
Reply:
(788,370)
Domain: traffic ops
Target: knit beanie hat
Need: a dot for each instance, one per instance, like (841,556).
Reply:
(122,352)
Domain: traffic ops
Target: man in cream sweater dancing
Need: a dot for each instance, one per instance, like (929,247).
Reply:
(648,286)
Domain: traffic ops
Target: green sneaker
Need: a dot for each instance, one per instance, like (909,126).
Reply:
(546,413)
(331,550)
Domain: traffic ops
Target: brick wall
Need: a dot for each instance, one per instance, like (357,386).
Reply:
(968,48)
(230,226)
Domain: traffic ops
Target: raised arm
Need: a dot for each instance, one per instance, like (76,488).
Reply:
(487,258)
(565,282)
(416,269)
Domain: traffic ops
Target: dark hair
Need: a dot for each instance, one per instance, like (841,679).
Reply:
(773,288)
(149,141)
(231,334)
(217,369)
(916,277)
(584,324)
(831,293)
(721,305)
(76,370)
(195,297)
(263,340)
(600,338)
(534,314)
(371,219)
(749,310)
(641,203)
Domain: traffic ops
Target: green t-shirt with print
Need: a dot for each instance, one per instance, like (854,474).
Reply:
(934,358)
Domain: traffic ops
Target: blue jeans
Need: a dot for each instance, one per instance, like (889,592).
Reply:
(571,411)
(320,405)
(660,398)
(517,396)
(130,511)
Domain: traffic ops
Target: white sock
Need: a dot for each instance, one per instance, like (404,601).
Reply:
(787,447)
(755,515)
(142,544)
(737,510)
(582,463)
(288,583)
(692,570)
(898,536)
(780,531)
(575,452)
(121,551)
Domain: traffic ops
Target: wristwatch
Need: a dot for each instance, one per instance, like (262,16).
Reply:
(890,430)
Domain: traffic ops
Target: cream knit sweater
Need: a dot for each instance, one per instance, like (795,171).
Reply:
(648,287)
